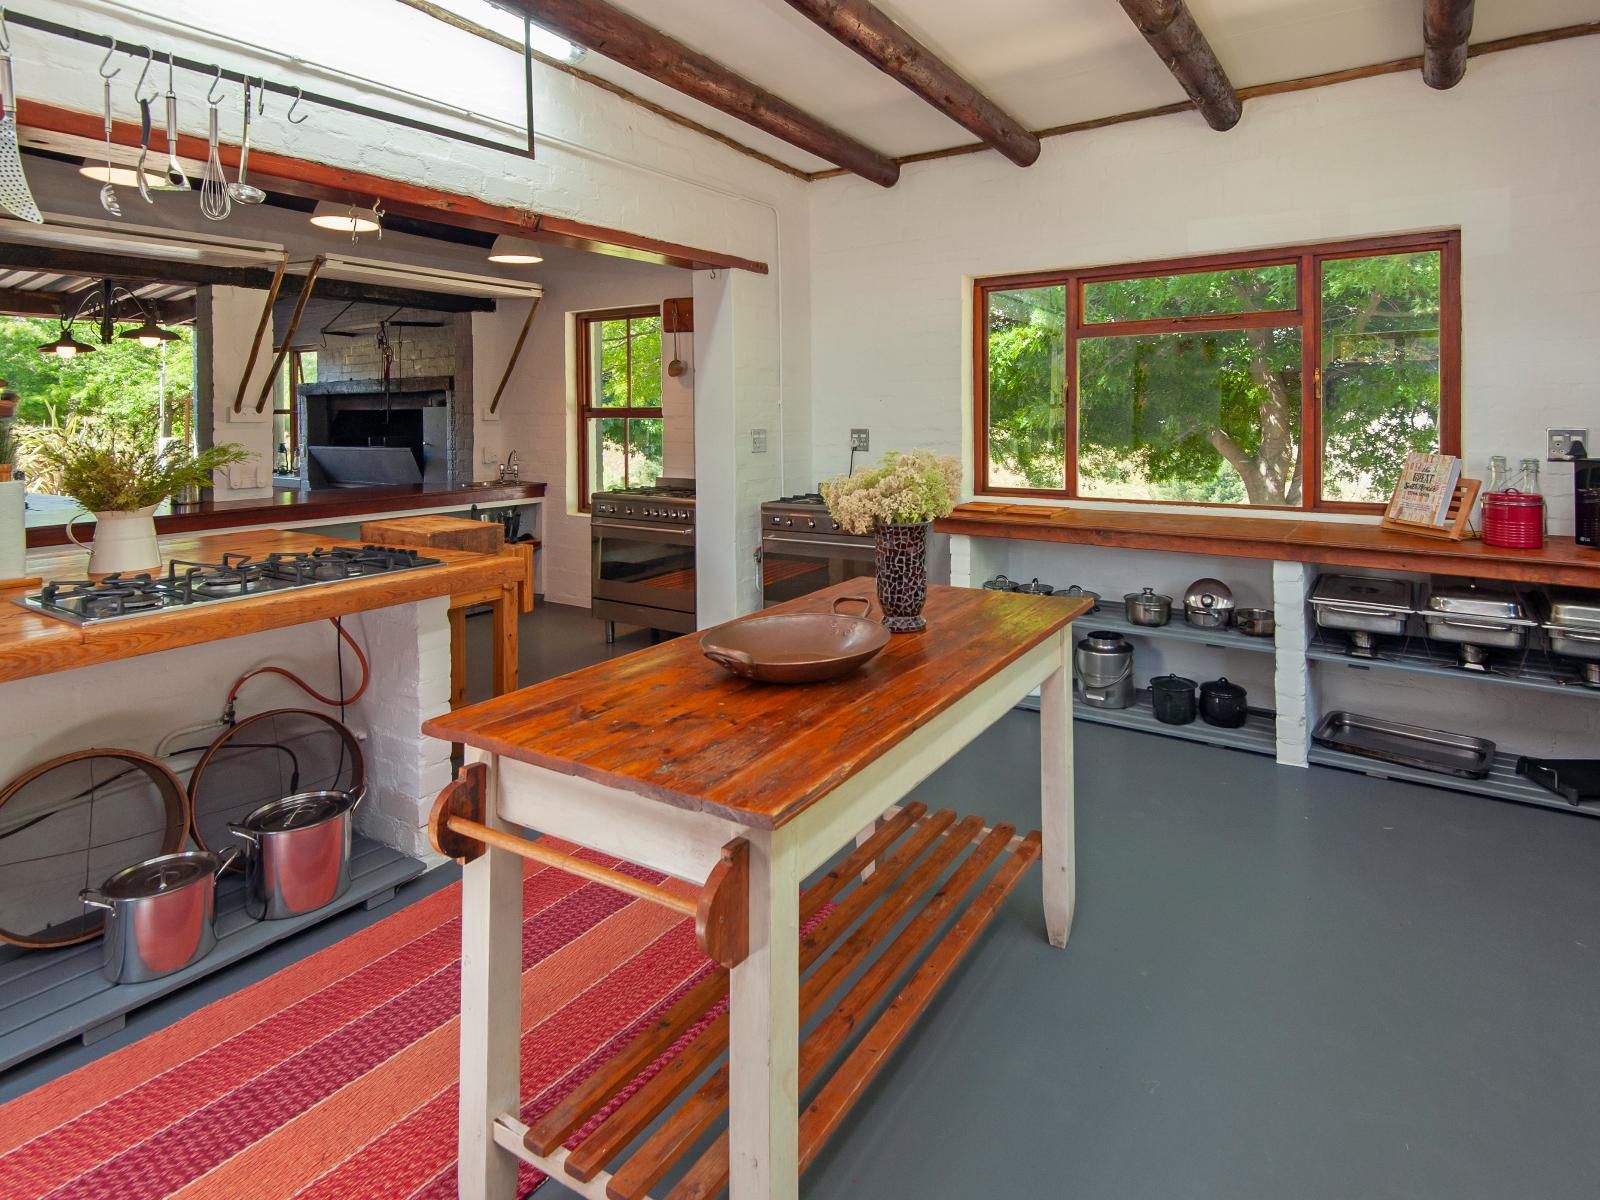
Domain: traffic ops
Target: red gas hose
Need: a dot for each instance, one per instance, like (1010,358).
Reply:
(332,702)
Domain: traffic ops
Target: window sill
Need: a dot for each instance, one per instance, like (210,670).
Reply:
(1296,539)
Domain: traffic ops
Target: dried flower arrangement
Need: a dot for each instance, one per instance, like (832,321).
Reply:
(904,489)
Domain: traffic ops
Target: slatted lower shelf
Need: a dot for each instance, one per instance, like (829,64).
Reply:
(52,996)
(923,868)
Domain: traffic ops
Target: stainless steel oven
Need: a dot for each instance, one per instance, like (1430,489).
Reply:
(803,549)
(642,568)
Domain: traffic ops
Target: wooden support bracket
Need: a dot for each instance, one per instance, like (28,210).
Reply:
(294,326)
(721,908)
(516,353)
(262,326)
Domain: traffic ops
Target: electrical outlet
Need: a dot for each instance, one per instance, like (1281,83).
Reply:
(489,455)
(1561,441)
(860,439)
(758,441)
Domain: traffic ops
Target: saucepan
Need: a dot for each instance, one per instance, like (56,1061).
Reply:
(160,914)
(797,647)
(298,856)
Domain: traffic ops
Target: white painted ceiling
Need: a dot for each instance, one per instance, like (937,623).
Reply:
(1048,62)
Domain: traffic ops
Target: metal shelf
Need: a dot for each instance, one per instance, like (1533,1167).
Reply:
(52,996)
(1258,734)
(1502,782)
(1177,629)
(1533,668)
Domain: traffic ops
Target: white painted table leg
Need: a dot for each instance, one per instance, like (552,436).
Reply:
(491,1011)
(764,1031)
(1056,817)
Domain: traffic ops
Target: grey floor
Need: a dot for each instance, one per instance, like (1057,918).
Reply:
(1282,984)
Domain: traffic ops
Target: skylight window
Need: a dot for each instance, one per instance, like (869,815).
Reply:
(505,21)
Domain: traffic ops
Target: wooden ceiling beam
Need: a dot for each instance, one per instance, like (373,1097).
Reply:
(625,39)
(1446,28)
(876,37)
(20,302)
(1172,33)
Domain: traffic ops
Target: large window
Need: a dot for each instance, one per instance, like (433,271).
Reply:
(300,369)
(1294,378)
(619,399)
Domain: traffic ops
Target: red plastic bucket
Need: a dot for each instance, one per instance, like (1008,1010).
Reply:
(1513,519)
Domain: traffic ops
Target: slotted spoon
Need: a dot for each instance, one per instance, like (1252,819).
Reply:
(15,195)
(108,194)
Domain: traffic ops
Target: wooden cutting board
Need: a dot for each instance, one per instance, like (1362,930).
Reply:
(449,533)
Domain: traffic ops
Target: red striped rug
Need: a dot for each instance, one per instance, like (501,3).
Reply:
(336,1077)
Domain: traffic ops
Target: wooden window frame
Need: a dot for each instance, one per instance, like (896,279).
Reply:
(293,411)
(1306,315)
(587,409)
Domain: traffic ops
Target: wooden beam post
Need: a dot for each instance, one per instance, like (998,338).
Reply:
(1173,34)
(1446,26)
(871,33)
(625,39)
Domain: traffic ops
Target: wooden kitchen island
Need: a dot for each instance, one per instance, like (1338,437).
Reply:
(736,792)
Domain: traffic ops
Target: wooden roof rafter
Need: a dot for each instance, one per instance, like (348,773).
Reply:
(1446,30)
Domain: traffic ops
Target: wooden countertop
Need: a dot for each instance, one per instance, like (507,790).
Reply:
(1335,543)
(288,504)
(34,644)
(669,724)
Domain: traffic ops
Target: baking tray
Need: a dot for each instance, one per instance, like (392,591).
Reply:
(1406,745)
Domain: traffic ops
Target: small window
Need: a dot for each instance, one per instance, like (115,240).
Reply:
(619,400)
(286,411)
(1294,378)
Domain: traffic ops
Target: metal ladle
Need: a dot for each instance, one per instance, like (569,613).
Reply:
(241,191)
(108,194)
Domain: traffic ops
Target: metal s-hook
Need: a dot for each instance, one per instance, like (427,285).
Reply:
(149,58)
(291,118)
(211,95)
(261,97)
(107,59)
(5,33)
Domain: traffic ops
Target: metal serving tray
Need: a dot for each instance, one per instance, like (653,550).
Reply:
(1406,745)
(1358,603)
(1575,610)
(1487,601)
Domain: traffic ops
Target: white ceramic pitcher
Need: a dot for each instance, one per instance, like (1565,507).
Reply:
(123,541)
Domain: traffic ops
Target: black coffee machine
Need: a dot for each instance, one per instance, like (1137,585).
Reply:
(1586,501)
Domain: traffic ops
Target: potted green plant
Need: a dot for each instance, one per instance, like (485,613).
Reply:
(896,501)
(120,479)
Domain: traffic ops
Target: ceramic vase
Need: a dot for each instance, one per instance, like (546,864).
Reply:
(123,541)
(902,568)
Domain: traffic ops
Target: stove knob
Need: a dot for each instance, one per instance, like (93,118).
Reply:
(810,524)
(836,527)
(789,521)
(628,512)
(777,520)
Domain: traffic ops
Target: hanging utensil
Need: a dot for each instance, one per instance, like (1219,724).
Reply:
(144,129)
(15,196)
(241,191)
(176,180)
(108,194)
(215,203)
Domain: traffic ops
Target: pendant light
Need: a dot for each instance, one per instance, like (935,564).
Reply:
(149,335)
(66,346)
(346,218)
(514,250)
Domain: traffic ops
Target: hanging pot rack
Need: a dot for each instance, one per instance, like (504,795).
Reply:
(295,92)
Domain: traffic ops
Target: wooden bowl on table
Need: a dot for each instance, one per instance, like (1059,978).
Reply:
(797,647)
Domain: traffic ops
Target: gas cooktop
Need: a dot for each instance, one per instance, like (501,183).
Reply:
(236,576)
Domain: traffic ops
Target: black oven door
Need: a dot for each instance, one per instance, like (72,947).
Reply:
(648,565)
(794,565)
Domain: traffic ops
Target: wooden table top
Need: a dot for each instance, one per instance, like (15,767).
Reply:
(34,644)
(669,724)
(1333,543)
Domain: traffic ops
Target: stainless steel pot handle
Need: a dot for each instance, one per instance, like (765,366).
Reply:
(357,794)
(225,859)
(1573,634)
(242,831)
(93,899)
(1459,623)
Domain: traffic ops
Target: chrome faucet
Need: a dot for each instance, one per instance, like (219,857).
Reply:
(511,469)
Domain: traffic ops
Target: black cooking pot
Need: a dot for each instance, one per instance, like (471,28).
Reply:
(1223,703)
(1172,696)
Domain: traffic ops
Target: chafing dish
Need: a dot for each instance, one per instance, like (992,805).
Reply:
(1574,630)
(1479,617)
(1363,608)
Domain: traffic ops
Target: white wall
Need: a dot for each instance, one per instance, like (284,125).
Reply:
(1508,156)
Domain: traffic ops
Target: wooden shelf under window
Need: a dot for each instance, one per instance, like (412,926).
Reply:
(1346,544)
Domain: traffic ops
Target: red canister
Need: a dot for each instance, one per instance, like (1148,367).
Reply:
(1513,519)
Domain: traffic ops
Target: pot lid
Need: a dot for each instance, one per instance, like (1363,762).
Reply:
(1578,610)
(1209,595)
(1221,687)
(1036,588)
(1358,591)
(1173,683)
(1479,600)
(297,812)
(1105,641)
(1147,596)
(154,876)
